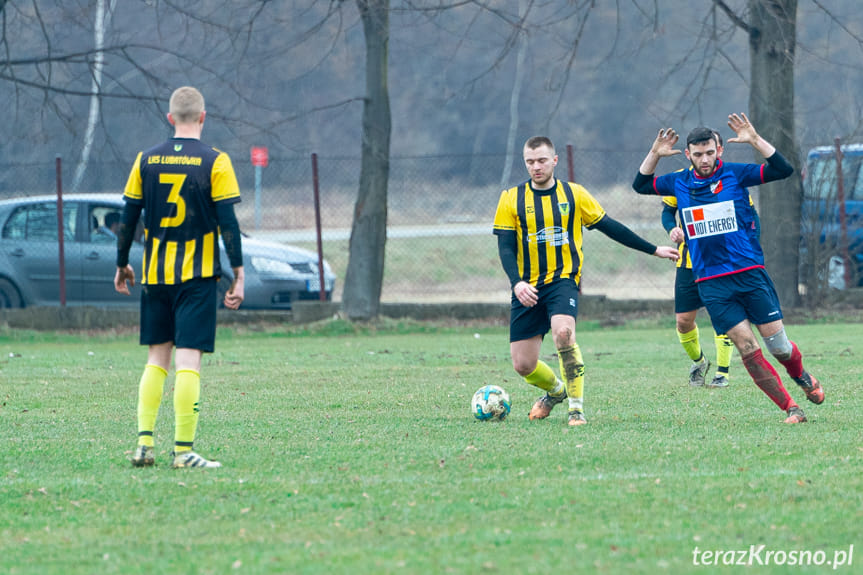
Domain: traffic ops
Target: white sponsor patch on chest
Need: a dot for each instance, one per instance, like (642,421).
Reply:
(710,219)
(555,236)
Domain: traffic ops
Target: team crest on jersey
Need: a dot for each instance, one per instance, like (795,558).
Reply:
(564,208)
(716,187)
(710,219)
(178,147)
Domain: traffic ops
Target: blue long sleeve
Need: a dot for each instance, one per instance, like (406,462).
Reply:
(669,217)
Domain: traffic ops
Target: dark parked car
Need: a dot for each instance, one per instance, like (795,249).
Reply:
(276,274)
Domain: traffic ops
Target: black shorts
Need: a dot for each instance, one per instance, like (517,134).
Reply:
(732,298)
(558,297)
(184,314)
(686,296)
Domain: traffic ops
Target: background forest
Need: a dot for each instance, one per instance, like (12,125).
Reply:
(466,81)
(289,75)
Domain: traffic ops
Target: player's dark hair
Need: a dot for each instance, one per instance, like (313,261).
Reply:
(700,135)
(718,137)
(537,141)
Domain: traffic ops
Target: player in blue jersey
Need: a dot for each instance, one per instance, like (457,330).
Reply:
(726,254)
(687,301)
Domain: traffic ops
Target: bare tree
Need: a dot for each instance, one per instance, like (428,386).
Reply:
(364,278)
(515,97)
(771,29)
(772,44)
(234,48)
(65,75)
(102,21)
(224,42)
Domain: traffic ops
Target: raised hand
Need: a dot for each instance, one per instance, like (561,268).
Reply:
(663,145)
(741,125)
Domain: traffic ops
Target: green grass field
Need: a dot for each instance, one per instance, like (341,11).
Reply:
(352,450)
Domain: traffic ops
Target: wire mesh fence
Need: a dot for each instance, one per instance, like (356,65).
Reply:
(440,246)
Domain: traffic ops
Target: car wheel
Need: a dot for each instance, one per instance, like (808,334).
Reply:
(9,296)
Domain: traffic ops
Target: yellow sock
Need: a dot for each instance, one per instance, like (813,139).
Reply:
(724,350)
(572,368)
(149,400)
(543,377)
(187,394)
(690,343)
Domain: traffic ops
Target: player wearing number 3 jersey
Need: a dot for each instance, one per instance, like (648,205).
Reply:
(187,191)
(185,181)
(717,221)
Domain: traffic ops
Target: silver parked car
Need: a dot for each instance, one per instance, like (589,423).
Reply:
(276,274)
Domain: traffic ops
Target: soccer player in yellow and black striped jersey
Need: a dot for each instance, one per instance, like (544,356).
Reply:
(187,191)
(539,229)
(687,301)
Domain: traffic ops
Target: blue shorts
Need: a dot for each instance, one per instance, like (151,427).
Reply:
(686,296)
(560,297)
(184,314)
(745,295)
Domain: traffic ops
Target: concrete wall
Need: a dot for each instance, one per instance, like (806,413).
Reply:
(848,303)
(51,318)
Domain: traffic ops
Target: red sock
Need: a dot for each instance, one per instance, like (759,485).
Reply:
(794,364)
(767,379)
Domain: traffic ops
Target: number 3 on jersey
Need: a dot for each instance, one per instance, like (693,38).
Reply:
(176,181)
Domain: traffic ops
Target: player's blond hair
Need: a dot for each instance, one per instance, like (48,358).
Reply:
(186,105)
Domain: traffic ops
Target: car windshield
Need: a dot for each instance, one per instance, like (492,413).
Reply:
(822,178)
(39,222)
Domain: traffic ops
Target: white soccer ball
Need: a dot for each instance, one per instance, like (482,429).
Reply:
(490,403)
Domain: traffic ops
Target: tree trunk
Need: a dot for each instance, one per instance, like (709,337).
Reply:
(514,101)
(364,277)
(772,42)
(100,25)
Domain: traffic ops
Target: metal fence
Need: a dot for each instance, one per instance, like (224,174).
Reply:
(440,246)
